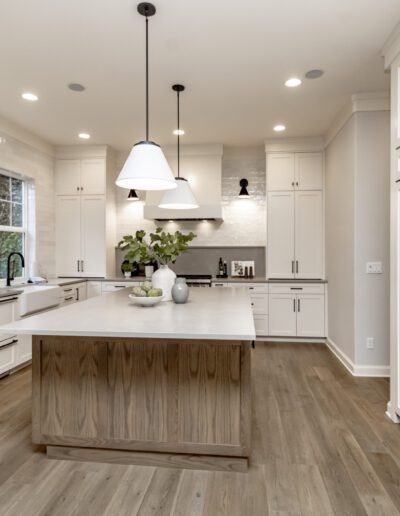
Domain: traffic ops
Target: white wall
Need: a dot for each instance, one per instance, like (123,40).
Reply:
(372,235)
(339,200)
(29,156)
(244,221)
(357,231)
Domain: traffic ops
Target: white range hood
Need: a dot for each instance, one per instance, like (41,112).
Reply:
(201,165)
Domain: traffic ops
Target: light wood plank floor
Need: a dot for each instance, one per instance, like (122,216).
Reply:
(321,446)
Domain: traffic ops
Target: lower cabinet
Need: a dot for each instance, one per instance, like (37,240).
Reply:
(297,310)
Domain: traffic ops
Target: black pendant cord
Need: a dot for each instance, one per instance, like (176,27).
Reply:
(147,79)
(179,138)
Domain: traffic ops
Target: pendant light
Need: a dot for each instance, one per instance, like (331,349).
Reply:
(146,167)
(182,197)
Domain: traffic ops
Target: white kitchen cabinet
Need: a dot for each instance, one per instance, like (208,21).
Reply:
(280,172)
(295,235)
(308,171)
(297,310)
(80,176)
(68,235)
(80,236)
(93,289)
(80,291)
(259,303)
(295,171)
(282,315)
(261,325)
(8,343)
(310,315)
(280,229)
(308,235)
(24,349)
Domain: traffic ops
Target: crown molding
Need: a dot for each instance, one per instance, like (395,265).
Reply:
(372,101)
(313,144)
(391,48)
(15,131)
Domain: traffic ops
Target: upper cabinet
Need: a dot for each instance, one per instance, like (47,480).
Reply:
(85,209)
(294,171)
(80,176)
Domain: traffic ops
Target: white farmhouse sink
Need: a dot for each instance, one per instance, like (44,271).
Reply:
(38,297)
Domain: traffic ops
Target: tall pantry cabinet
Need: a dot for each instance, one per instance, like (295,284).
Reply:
(85,212)
(295,216)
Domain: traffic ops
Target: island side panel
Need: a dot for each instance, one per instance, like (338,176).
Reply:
(174,396)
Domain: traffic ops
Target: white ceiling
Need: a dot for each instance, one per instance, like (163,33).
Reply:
(233,57)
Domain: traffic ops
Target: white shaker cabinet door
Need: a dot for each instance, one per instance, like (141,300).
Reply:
(280,172)
(68,235)
(68,174)
(309,235)
(282,315)
(93,176)
(93,261)
(309,171)
(280,227)
(311,315)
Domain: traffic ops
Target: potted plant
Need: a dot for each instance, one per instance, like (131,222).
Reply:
(159,246)
(128,268)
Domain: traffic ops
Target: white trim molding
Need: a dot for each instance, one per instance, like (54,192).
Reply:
(354,369)
(315,144)
(391,414)
(374,101)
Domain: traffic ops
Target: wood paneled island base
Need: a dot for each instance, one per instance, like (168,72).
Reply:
(173,402)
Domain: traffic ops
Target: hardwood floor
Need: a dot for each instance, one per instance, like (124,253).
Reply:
(321,446)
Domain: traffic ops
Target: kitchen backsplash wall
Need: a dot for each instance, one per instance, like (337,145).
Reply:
(204,260)
(244,221)
(27,159)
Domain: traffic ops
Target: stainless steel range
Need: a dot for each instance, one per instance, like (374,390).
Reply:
(197,280)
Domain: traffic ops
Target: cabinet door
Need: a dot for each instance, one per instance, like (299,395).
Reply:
(8,355)
(310,315)
(24,349)
(280,172)
(309,171)
(80,292)
(309,235)
(261,325)
(68,174)
(93,289)
(93,176)
(93,236)
(68,235)
(280,224)
(259,303)
(282,315)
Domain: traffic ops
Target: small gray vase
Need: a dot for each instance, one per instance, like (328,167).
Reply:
(180,291)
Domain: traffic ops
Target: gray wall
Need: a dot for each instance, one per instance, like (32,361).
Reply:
(339,216)
(357,231)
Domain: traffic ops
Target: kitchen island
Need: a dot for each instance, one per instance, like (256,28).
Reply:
(168,385)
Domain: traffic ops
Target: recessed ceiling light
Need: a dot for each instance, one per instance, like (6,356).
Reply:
(314,74)
(293,82)
(75,86)
(84,136)
(278,128)
(179,132)
(30,96)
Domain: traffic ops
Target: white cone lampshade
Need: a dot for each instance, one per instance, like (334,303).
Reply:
(146,169)
(181,198)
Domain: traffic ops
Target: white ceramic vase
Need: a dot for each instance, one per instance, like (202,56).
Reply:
(148,271)
(164,278)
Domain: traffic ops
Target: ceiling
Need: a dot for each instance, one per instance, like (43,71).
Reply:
(232,56)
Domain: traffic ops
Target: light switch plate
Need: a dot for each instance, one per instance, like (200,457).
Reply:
(374,267)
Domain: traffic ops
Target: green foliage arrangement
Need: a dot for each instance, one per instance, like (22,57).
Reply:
(159,246)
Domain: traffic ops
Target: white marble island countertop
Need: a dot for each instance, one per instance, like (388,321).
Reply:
(214,314)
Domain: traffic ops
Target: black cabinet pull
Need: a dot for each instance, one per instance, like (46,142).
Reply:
(14,341)
(296,288)
(397,181)
(8,300)
(297,266)
(69,298)
(78,266)
(294,305)
(292,266)
(298,305)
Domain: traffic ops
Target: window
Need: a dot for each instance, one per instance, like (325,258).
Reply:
(12,222)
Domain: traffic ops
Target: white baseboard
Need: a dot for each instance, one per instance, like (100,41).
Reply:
(354,369)
(391,414)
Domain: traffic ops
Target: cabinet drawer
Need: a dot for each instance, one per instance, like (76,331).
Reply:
(67,291)
(220,284)
(69,300)
(296,288)
(113,286)
(261,325)
(258,288)
(259,303)
(8,354)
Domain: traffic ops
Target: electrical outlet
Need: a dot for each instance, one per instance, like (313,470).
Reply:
(374,267)
(370,342)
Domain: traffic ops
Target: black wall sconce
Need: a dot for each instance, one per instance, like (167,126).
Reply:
(243,194)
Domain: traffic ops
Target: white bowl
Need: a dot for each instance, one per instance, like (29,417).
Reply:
(145,301)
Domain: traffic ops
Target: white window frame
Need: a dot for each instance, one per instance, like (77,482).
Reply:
(14,229)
